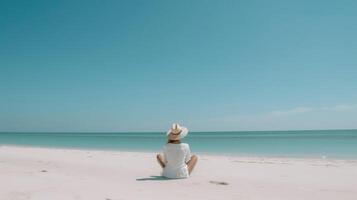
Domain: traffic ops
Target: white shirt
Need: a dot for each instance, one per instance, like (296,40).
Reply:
(176,156)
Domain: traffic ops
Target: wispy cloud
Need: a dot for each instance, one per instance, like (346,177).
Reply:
(341,107)
(293,111)
(342,116)
(303,109)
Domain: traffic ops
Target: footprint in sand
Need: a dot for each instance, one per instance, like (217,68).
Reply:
(219,182)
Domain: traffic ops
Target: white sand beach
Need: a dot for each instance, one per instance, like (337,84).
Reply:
(64,174)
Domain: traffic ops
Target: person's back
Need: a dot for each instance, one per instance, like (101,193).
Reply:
(176,161)
(176,157)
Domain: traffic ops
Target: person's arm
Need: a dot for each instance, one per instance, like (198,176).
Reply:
(165,157)
(188,154)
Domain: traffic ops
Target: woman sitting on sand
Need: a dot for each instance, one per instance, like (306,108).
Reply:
(177,161)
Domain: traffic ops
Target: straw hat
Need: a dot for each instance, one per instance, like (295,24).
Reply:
(176,132)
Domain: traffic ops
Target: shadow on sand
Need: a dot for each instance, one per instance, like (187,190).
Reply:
(153,178)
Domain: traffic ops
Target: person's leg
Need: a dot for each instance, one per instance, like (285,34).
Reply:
(192,163)
(160,159)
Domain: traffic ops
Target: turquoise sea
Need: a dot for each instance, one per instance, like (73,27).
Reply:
(321,143)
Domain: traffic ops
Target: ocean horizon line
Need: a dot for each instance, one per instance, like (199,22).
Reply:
(226,131)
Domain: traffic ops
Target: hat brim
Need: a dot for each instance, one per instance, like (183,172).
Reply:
(184,132)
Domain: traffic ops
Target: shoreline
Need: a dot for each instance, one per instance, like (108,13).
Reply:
(45,173)
(218,154)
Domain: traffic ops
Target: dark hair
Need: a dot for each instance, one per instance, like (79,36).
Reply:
(173,141)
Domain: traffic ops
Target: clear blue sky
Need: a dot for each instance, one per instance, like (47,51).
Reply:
(211,65)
